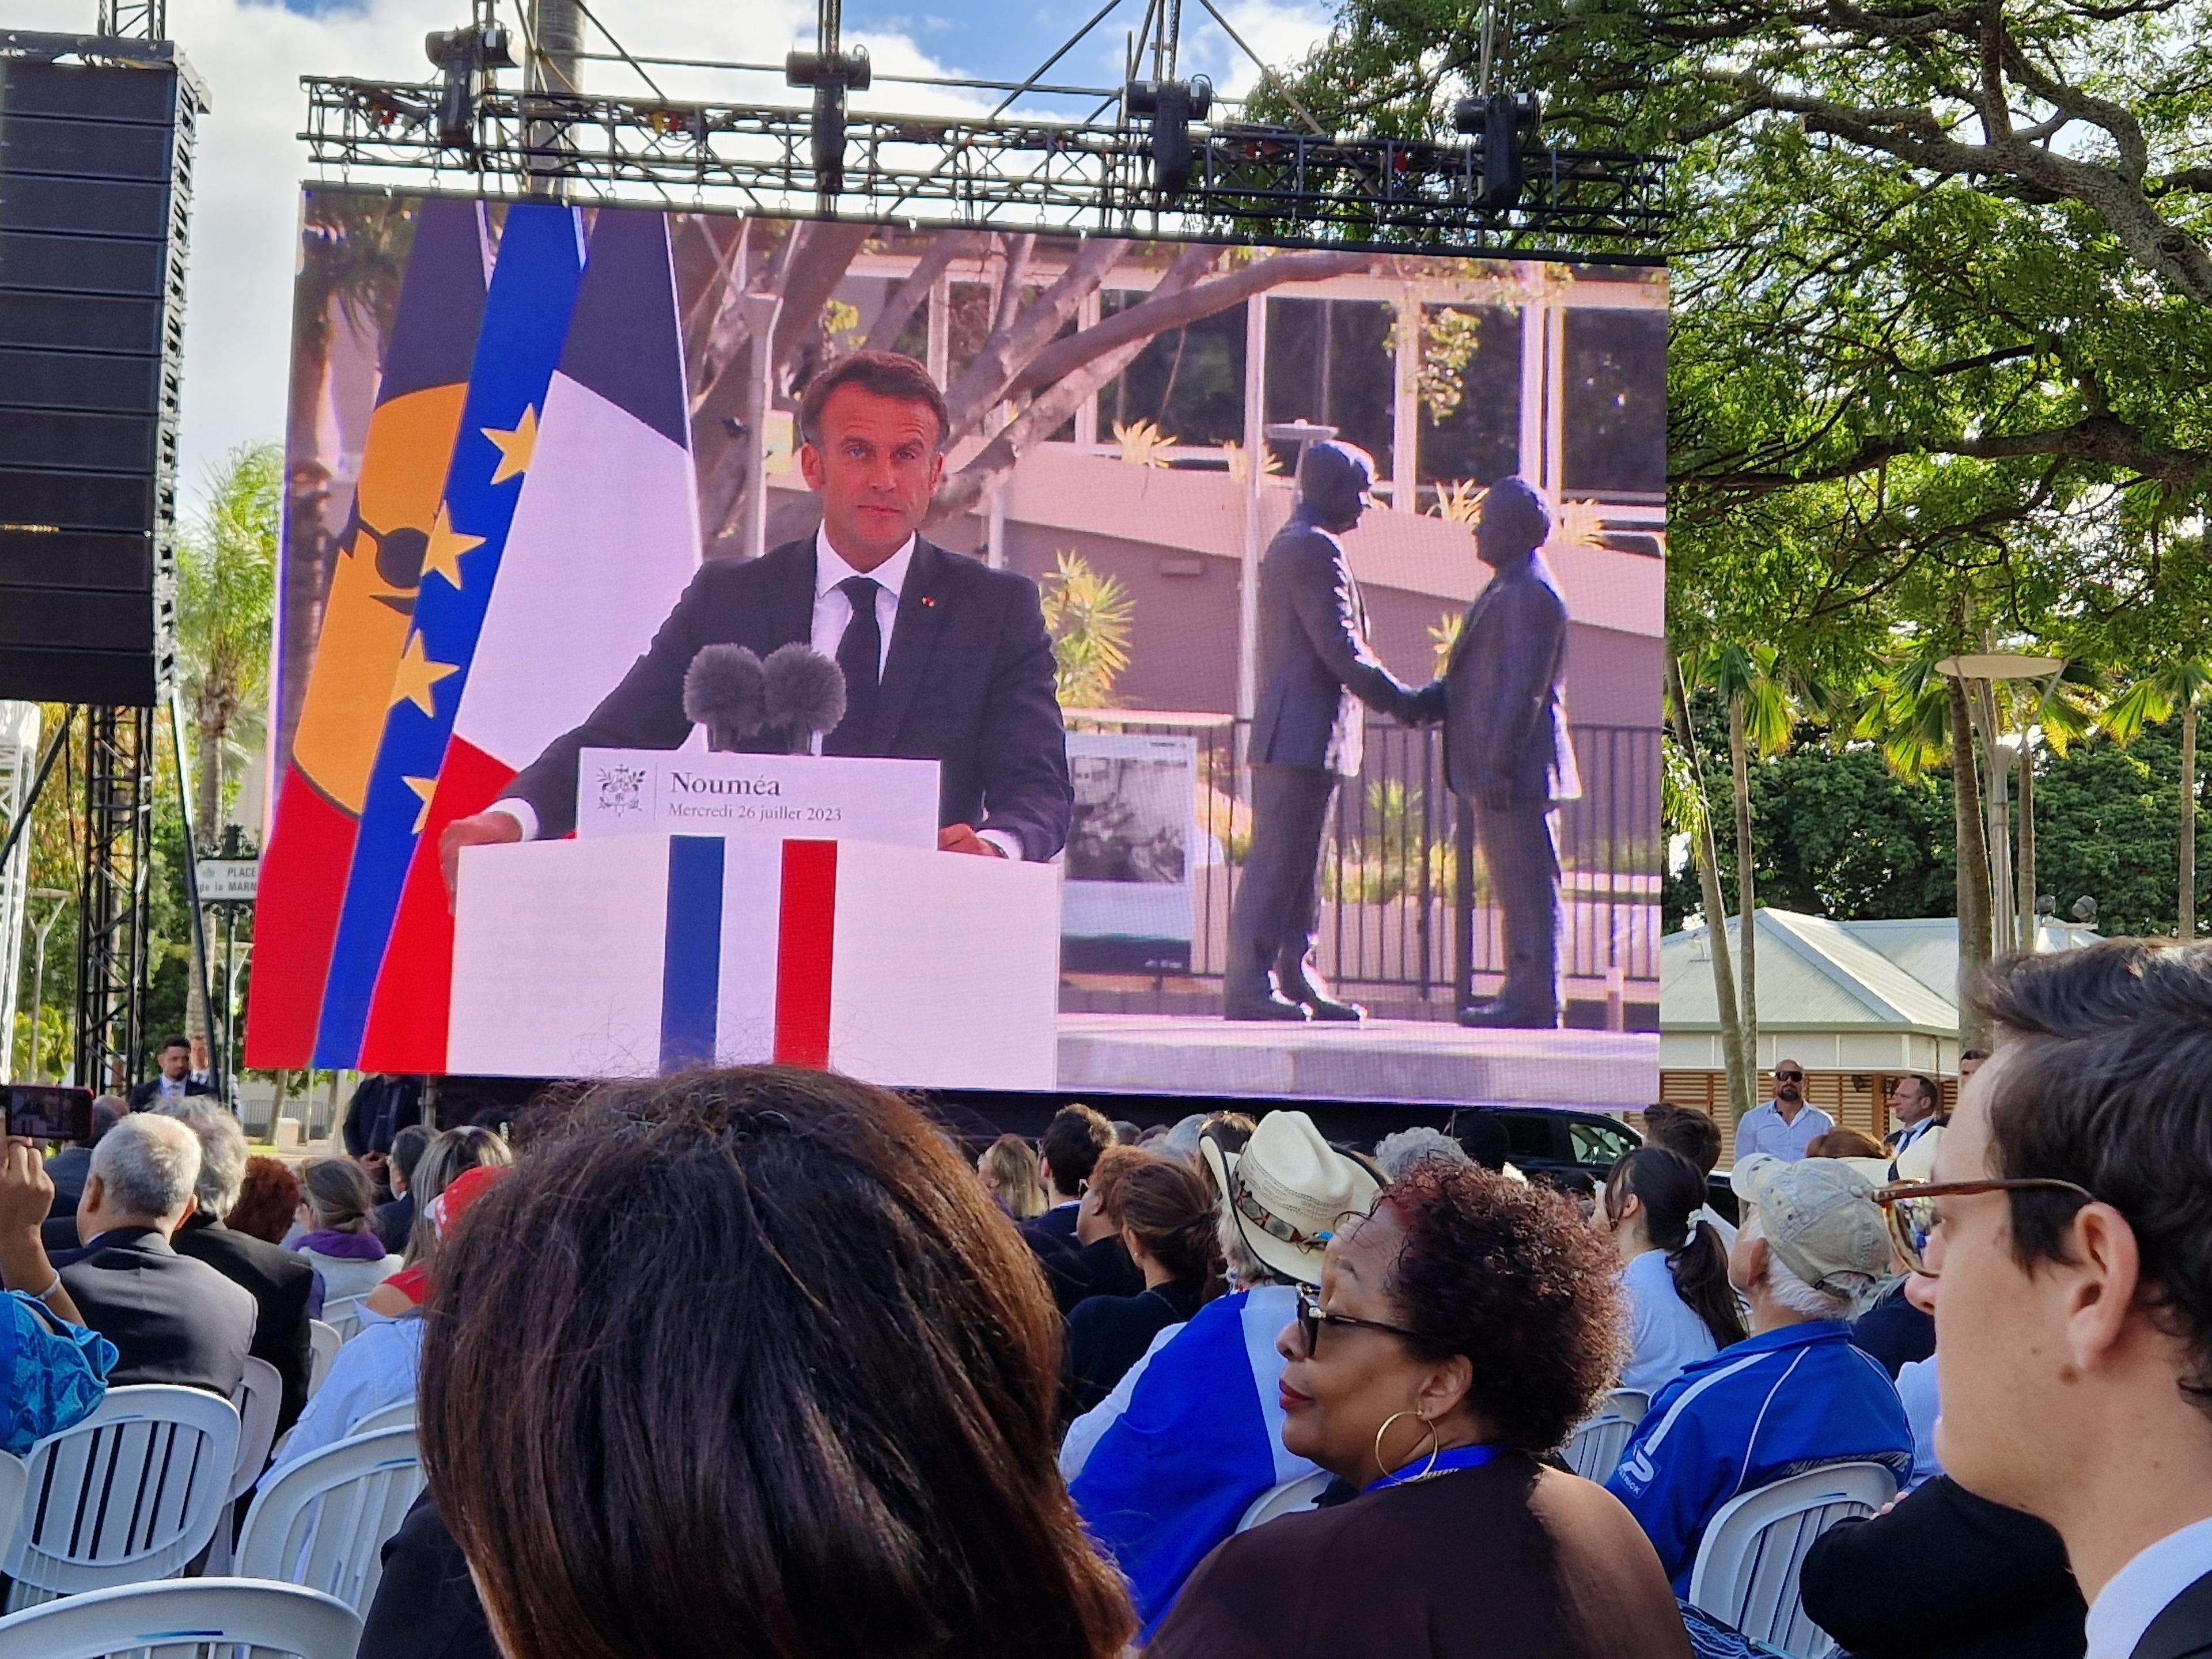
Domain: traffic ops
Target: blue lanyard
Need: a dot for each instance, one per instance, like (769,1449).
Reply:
(1458,1457)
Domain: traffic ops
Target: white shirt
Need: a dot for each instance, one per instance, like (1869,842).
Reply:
(832,614)
(1916,1387)
(376,1369)
(1765,1130)
(2139,1592)
(1664,1332)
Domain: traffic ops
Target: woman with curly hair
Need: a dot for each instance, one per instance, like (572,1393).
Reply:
(1461,1331)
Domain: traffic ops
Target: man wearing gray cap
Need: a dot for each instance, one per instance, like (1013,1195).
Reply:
(1316,668)
(1795,1394)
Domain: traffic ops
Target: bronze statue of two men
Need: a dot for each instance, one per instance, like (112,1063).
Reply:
(1501,699)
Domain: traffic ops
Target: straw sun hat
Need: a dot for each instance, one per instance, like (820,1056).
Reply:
(1288,1190)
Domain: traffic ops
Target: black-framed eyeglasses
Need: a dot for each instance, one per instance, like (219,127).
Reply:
(1789,1077)
(1910,1207)
(1312,1316)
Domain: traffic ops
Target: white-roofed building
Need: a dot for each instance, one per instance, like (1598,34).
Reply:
(1857,1004)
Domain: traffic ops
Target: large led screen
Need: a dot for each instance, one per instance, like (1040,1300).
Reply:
(965,658)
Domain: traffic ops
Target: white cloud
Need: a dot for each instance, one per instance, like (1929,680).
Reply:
(249,160)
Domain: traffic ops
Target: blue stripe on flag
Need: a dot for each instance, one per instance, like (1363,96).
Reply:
(526,312)
(691,953)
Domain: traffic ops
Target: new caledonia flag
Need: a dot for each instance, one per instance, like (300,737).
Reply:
(366,617)
(526,321)
(605,539)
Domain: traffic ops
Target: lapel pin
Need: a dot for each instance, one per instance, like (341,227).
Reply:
(929,599)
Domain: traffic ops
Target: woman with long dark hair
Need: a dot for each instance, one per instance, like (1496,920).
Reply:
(1674,1270)
(1170,1229)
(772,1377)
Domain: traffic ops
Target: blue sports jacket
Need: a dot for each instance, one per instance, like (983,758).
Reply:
(1763,1409)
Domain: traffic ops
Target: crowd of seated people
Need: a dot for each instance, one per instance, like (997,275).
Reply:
(919,1423)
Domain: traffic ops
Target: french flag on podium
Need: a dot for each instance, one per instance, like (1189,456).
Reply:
(604,538)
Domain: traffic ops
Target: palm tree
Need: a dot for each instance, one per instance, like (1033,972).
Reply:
(1089,616)
(354,253)
(1918,717)
(226,587)
(1759,694)
(1693,816)
(2156,696)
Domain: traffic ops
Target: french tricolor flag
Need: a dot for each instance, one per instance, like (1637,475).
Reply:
(605,539)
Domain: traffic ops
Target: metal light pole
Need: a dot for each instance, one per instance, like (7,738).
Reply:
(39,972)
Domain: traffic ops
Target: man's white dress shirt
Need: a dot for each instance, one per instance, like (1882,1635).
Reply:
(1764,1129)
(2139,1591)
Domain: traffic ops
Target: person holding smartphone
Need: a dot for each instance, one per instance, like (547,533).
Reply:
(53,1371)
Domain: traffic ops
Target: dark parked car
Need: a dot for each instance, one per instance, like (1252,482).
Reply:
(1567,1148)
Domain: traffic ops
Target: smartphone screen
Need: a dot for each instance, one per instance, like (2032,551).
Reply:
(49,1112)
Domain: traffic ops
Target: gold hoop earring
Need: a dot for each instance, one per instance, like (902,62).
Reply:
(1435,1450)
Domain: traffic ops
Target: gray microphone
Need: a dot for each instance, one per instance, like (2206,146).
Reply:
(805,693)
(724,690)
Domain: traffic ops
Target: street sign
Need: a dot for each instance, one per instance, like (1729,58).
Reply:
(228,881)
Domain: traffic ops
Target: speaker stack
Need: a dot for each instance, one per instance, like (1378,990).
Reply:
(95,176)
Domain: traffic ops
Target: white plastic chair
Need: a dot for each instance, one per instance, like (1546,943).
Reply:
(324,1341)
(260,1392)
(184,1616)
(1746,1573)
(1596,1447)
(15,1479)
(400,1416)
(344,1316)
(1287,1499)
(323,1522)
(131,1494)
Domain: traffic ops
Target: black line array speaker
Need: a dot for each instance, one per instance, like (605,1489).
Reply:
(95,174)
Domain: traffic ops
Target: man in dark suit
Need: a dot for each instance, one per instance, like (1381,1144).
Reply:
(1503,701)
(943,658)
(172,1319)
(394,1222)
(1065,1156)
(68,1168)
(173,1081)
(2070,1276)
(279,1281)
(1316,668)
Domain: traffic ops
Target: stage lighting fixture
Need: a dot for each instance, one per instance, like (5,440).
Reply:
(1171,107)
(831,75)
(1507,124)
(465,58)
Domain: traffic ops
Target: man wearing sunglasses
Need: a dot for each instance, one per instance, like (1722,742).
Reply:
(1785,1126)
(2069,1229)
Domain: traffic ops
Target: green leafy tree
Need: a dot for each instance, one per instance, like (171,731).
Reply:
(226,587)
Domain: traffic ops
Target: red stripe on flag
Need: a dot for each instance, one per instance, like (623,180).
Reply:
(303,883)
(412,1005)
(805,951)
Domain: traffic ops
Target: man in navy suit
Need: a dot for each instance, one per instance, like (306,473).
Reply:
(1316,669)
(945,658)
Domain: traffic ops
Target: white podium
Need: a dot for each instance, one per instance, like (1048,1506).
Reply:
(642,954)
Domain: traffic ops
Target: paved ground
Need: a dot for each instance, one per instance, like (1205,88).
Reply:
(1381,1060)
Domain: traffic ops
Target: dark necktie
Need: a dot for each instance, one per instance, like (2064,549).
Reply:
(860,655)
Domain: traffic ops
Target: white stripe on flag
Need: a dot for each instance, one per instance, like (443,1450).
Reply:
(606,538)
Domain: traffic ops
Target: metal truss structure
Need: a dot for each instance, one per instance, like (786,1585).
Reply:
(114,894)
(1248,183)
